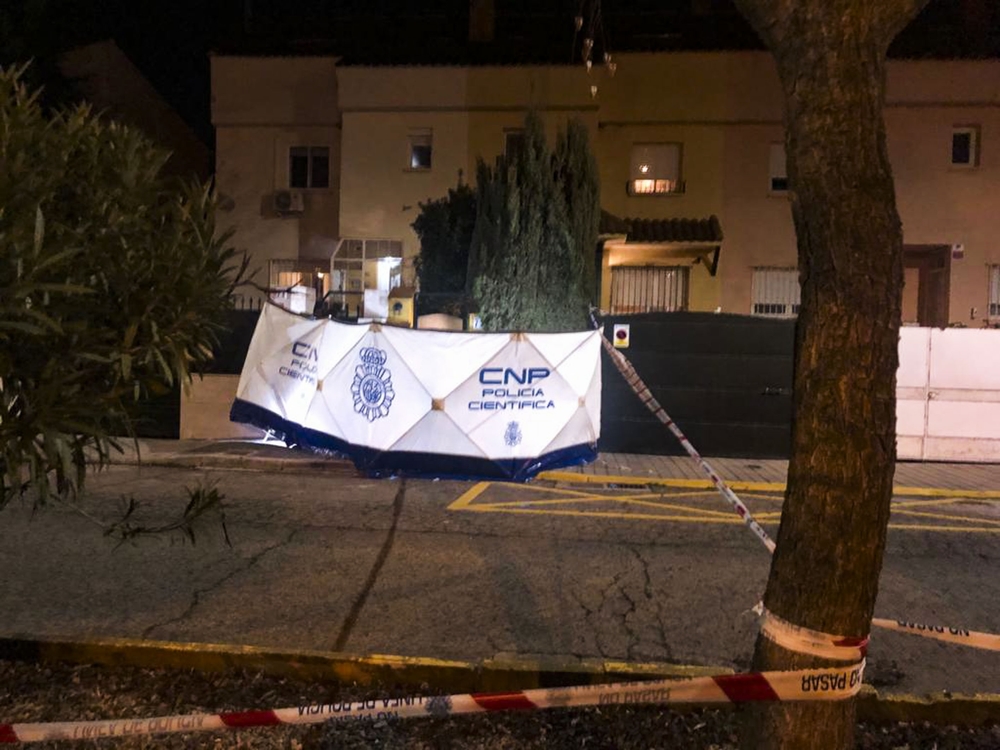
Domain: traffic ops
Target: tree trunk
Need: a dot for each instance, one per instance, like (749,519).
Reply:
(831,58)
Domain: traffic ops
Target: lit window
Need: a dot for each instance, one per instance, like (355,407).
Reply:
(965,146)
(778,171)
(309,167)
(644,289)
(420,149)
(994,303)
(655,169)
(776,292)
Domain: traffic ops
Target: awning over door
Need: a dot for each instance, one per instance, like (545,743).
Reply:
(669,238)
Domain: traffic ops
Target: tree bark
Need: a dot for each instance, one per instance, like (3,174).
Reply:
(831,57)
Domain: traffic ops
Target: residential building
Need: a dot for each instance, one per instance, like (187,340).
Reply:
(325,163)
(104,76)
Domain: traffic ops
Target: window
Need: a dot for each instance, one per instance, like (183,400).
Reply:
(775,292)
(994,303)
(309,167)
(655,169)
(643,289)
(513,143)
(965,146)
(777,170)
(363,272)
(298,285)
(420,149)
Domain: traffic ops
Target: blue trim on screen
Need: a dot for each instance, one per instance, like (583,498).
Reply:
(377,463)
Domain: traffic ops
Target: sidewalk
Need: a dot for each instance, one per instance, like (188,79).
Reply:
(609,468)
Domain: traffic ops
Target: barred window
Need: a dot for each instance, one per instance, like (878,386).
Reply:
(644,289)
(776,292)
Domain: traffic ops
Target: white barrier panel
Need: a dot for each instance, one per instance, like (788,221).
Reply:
(425,402)
(948,394)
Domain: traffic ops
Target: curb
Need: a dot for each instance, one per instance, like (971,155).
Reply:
(337,467)
(486,675)
(941,709)
(453,676)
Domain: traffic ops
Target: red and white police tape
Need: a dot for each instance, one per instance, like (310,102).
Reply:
(830,684)
(645,395)
(813,642)
(961,636)
(987,641)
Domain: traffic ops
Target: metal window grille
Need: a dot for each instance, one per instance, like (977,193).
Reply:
(644,289)
(994,303)
(776,292)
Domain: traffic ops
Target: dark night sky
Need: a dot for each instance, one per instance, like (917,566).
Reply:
(170,41)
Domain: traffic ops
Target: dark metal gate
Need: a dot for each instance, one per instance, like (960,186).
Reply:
(160,416)
(726,380)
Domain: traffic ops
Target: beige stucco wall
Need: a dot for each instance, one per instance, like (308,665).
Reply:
(465,109)
(261,107)
(380,194)
(939,203)
(725,108)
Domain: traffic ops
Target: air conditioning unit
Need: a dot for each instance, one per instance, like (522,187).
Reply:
(288,202)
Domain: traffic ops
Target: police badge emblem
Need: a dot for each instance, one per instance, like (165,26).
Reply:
(372,386)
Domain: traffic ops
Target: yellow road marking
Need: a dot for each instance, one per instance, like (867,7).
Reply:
(606,514)
(947,517)
(931,527)
(938,492)
(573,477)
(929,503)
(564,501)
(467,497)
(694,514)
(672,506)
(740,485)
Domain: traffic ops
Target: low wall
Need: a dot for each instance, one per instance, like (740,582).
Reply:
(205,410)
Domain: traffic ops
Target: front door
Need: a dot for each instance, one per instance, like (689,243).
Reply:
(927,275)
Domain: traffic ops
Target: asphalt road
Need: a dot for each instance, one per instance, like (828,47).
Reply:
(466,571)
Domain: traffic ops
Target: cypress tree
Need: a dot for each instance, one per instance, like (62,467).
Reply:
(526,267)
(444,228)
(576,171)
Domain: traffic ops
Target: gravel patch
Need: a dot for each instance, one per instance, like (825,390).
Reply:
(56,692)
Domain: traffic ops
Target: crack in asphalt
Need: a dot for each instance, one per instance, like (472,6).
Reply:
(648,591)
(199,593)
(352,617)
(630,609)
(587,614)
